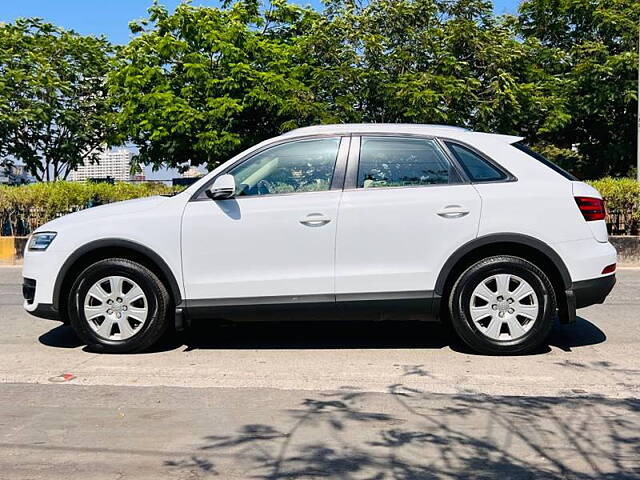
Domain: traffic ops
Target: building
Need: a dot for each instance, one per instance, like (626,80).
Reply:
(12,174)
(189,177)
(115,164)
(193,172)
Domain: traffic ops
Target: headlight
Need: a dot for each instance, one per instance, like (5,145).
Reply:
(41,241)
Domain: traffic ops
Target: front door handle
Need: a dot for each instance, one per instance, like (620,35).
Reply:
(453,211)
(315,220)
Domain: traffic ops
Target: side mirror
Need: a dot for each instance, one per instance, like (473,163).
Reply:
(223,187)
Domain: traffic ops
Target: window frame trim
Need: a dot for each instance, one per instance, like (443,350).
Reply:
(522,147)
(337,180)
(353,165)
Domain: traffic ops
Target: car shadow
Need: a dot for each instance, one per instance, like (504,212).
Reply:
(316,335)
(580,334)
(565,337)
(205,334)
(61,336)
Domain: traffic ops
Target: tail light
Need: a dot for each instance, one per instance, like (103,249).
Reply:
(591,208)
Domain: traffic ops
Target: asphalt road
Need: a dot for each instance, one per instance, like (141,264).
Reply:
(333,400)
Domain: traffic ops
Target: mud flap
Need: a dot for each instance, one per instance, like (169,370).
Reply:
(181,319)
(567,308)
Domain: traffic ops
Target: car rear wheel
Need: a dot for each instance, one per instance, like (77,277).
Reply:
(119,306)
(502,305)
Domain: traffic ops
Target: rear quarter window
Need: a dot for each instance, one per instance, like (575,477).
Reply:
(478,169)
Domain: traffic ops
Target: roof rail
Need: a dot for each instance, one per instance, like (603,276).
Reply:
(344,127)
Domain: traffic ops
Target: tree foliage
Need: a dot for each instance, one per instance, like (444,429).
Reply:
(53,109)
(586,52)
(199,84)
(423,61)
(202,83)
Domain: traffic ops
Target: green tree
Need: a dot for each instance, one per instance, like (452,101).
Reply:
(53,109)
(198,85)
(429,61)
(584,52)
(201,84)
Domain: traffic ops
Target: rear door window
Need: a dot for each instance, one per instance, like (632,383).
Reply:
(403,162)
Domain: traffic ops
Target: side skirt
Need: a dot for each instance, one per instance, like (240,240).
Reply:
(379,306)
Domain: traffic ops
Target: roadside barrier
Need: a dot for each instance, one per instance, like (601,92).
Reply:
(12,250)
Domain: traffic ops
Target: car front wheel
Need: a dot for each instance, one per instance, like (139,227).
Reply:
(502,305)
(118,306)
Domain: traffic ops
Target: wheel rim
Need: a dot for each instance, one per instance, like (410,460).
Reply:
(116,308)
(504,307)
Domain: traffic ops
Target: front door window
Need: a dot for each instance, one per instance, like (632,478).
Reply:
(295,167)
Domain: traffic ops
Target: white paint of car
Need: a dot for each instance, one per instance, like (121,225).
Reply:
(397,239)
(260,245)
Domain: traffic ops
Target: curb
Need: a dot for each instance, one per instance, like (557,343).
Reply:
(628,248)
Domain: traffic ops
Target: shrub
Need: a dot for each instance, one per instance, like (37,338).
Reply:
(622,197)
(25,208)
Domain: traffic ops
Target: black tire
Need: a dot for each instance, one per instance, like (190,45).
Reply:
(460,305)
(158,305)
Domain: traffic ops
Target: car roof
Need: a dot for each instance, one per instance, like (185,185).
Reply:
(448,131)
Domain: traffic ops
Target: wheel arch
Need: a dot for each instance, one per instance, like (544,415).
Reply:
(112,248)
(520,245)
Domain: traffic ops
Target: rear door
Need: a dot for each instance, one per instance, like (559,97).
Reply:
(404,211)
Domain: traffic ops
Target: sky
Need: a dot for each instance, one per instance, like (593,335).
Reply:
(111,17)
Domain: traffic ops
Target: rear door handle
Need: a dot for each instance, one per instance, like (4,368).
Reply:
(315,220)
(453,211)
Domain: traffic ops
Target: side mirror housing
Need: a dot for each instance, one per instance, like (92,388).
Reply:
(223,187)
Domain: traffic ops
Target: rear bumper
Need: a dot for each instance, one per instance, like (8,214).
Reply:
(586,258)
(584,293)
(592,291)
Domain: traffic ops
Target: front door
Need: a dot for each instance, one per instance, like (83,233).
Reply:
(274,242)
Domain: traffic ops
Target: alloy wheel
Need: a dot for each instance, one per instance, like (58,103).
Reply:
(116,308)
(504,307)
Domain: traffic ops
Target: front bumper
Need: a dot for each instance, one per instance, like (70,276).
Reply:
(39,272)
(45,311)
(593,291)
(40,310)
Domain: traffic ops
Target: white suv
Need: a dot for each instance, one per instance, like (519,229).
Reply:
(380,221)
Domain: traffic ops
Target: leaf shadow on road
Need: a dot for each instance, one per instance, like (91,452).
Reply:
(407,434)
